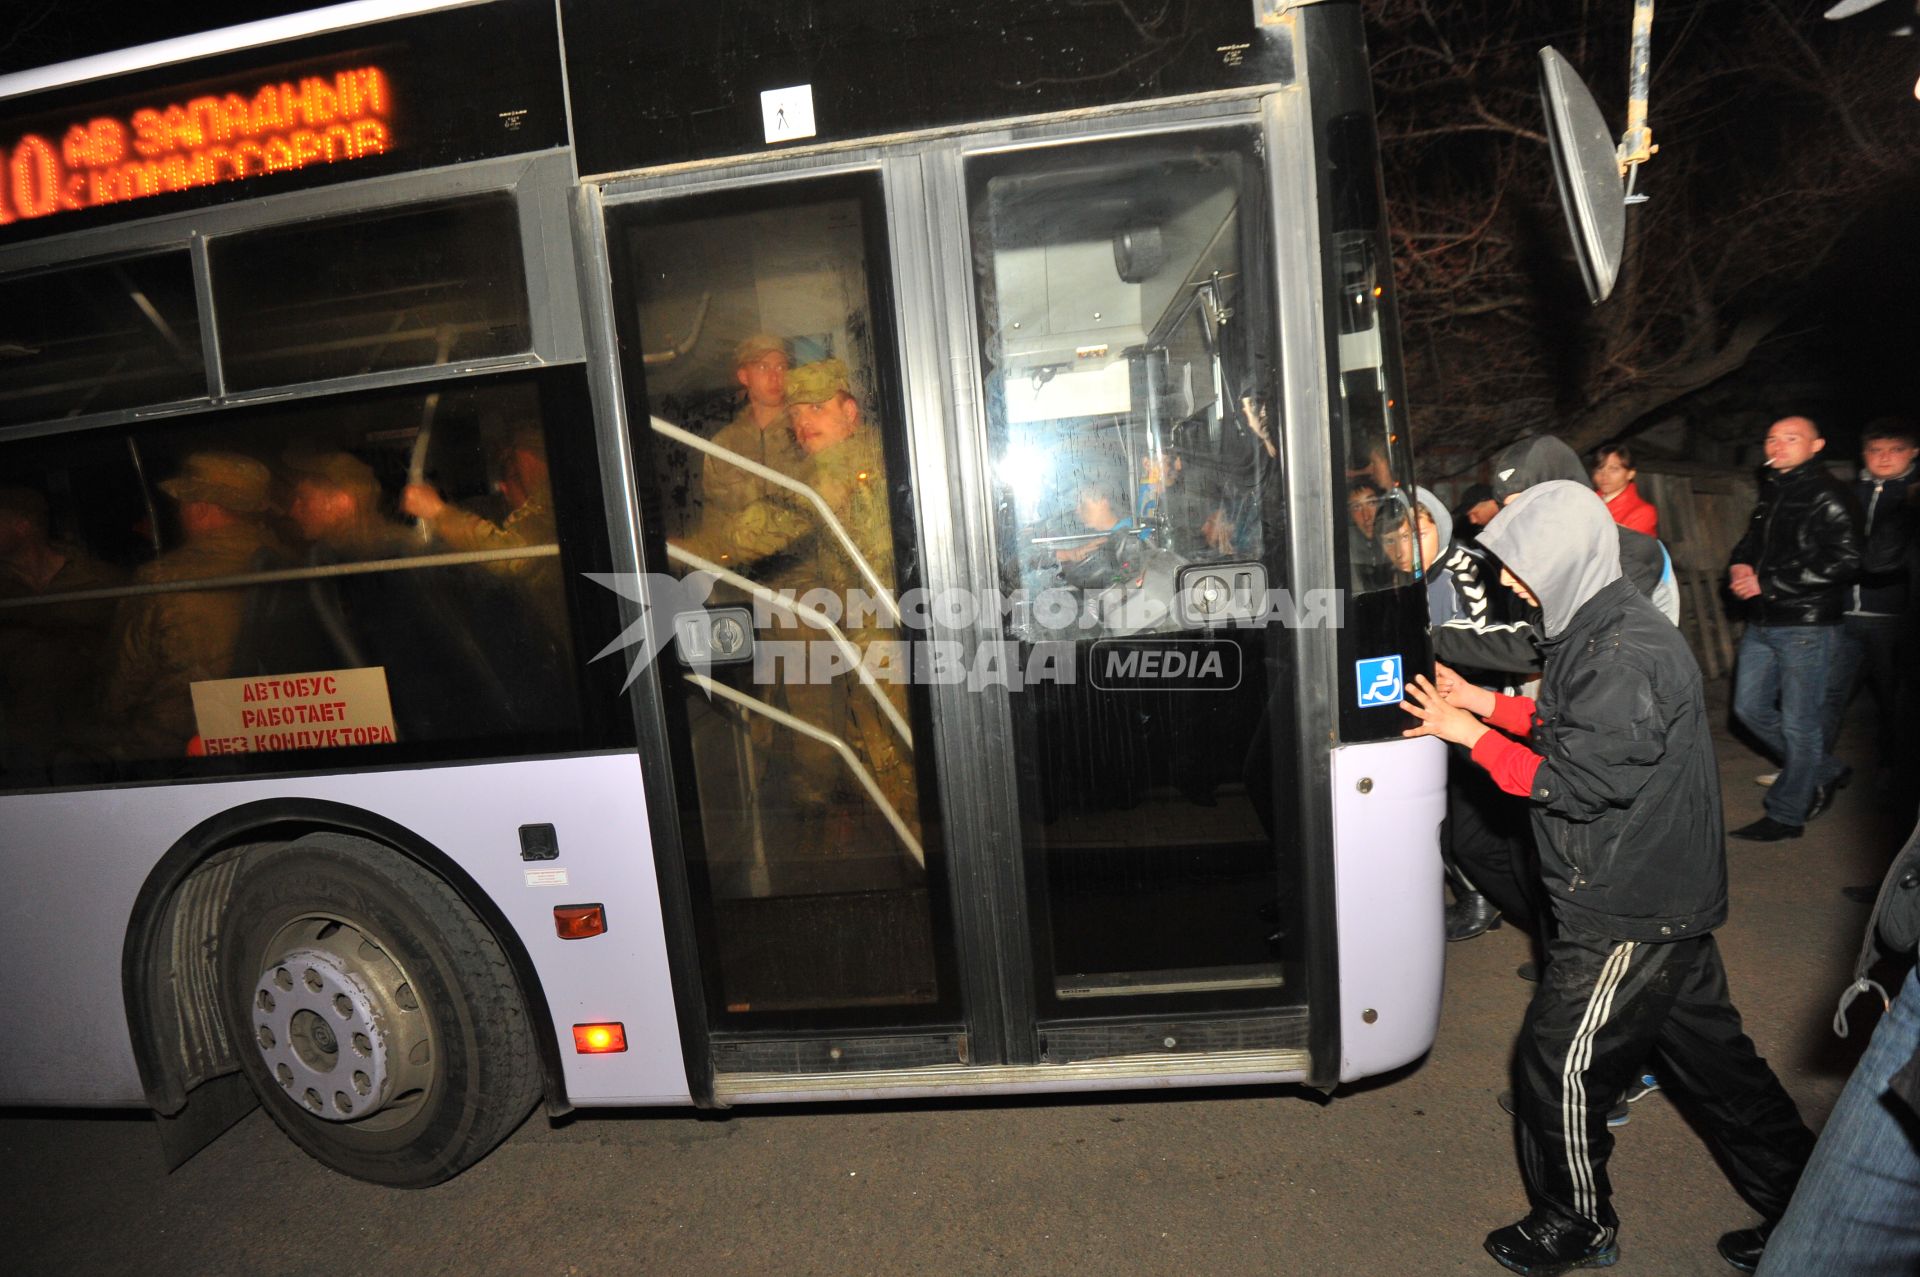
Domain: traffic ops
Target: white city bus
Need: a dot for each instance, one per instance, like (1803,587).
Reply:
(384,740)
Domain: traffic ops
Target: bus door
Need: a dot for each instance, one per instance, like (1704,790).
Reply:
(1126,360)
(765,394)
(961,780)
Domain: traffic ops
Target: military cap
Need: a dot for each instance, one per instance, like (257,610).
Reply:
(340,470)
(226,479)
(818,382)
(25,503)
(757,345)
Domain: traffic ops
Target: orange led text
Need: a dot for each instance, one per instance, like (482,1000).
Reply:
(280,127)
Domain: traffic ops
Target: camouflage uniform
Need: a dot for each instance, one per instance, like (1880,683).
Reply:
(538,580)
(165,643)
(850,476)
(52,657)
(726,489)
(531,524)
(168,642)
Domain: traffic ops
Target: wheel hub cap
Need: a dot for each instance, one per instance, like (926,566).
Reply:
(316,1026)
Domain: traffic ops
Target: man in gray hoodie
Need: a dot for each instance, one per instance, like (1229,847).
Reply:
(1618,764)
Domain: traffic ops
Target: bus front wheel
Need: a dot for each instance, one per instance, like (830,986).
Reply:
(373,1013)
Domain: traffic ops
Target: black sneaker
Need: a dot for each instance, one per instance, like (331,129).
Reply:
(1641,1087)
(1743,1247)
(1864,894)
(1545,1245)
(1528,971)
(1767,829)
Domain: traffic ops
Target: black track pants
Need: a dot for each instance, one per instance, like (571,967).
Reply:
(1603,1008)
(1489,840)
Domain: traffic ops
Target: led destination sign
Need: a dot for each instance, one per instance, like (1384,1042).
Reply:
(201,141)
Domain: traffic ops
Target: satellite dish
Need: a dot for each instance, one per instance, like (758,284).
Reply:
(1586,168)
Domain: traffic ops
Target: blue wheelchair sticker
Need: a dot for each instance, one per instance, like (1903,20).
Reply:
(1379,681)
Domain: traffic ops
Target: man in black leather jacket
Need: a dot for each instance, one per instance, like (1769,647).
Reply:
(1618,767)
(1876,632)
(1801,551)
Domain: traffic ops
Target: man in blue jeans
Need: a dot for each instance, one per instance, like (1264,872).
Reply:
(1801,551)
(1856,1212)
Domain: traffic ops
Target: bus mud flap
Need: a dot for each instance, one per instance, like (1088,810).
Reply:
(211,1108)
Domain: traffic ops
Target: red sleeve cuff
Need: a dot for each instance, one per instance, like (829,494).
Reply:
(1511,764)
(1512,715)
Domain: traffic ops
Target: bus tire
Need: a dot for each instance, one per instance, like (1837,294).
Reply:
(374,1014)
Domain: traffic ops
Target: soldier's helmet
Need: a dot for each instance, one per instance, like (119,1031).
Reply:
(818,381)
(227,479)
(758,345)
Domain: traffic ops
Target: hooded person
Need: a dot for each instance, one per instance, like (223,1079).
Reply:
(1479,641)
(1484,830)
(1434,528)
(1618,764)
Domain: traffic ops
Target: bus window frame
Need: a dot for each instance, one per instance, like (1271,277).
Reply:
(540,185)
(592,615)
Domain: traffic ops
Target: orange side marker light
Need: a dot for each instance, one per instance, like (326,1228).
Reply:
(599,1039)
(579,922)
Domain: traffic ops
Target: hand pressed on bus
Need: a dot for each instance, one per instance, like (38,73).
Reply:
(1457,691)
(1438,717)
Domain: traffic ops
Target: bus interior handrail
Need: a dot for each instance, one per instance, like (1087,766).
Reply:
(280,576)
(754,705)
(728,455)
(815,617)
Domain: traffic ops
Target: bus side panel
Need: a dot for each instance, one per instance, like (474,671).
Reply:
(77,861)
(1388,801)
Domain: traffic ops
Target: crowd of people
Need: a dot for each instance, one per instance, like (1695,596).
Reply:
(1585,805)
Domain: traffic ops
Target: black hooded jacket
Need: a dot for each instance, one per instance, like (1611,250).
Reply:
(1627,800)
(1479,641)
(1804,543)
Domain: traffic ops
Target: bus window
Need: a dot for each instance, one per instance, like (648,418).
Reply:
(422,285)
(94,338)
(1378,475)
(376,575)
(1122,294)
(1133,422)
(763,338)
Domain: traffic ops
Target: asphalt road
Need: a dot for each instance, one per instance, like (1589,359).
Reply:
(1404,1175)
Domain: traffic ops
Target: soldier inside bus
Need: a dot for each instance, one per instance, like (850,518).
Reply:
(1215,504)
(51,654)
(517,604)
(166,642)
(840,847)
